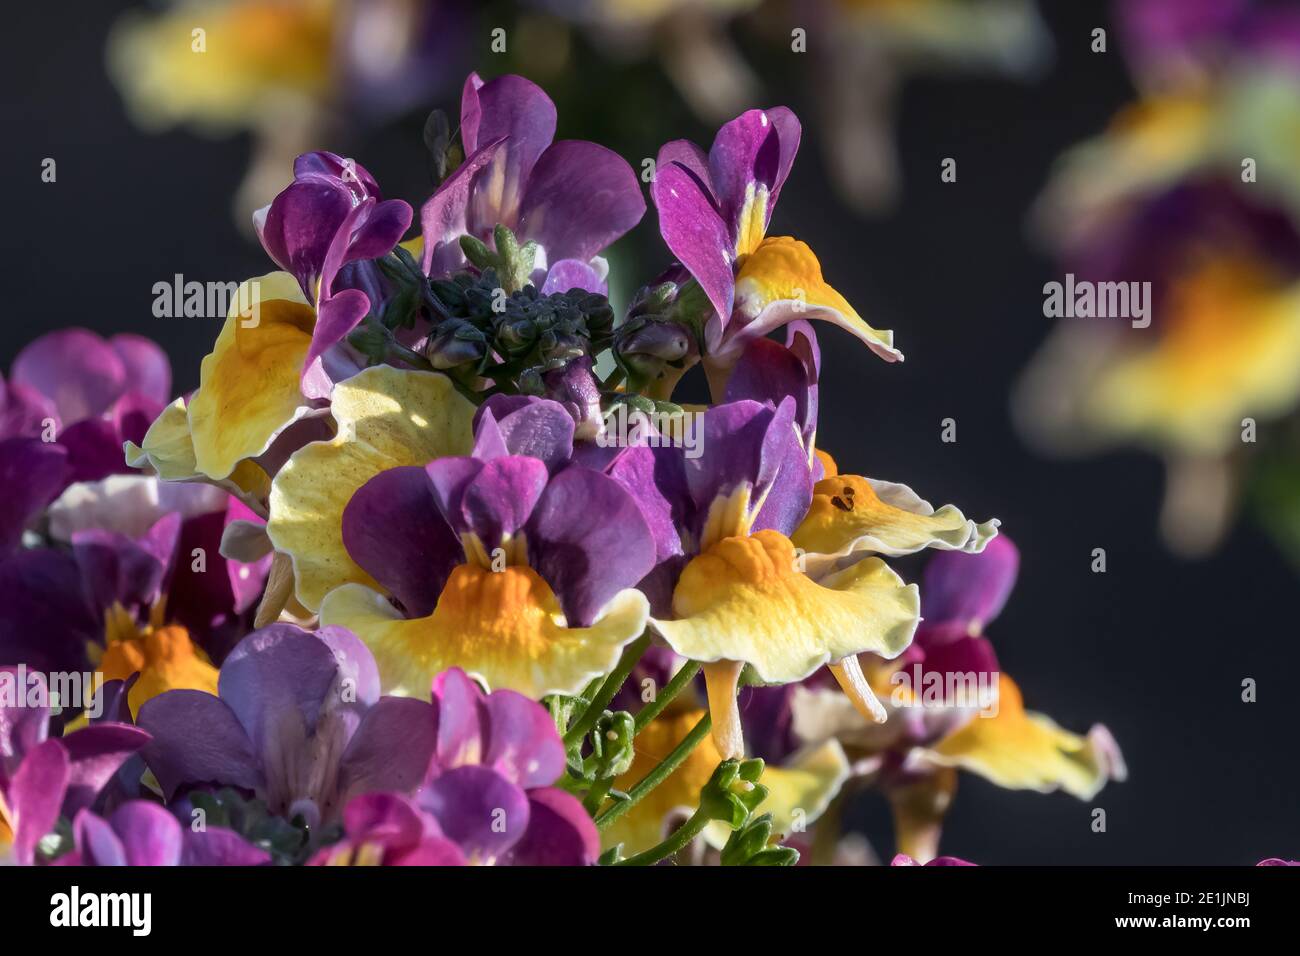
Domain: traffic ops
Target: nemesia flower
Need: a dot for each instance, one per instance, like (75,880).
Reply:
(950,706)
(296,719)
(142,833)
(572,198)
(518,568)
(41,776)
(1162,197)
(746,596)
(714,212)
(487,797)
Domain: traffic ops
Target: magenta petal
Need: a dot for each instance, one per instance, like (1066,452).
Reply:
(461,717)
(685,153)
(76,369)
(386,818)
(196,740)
(336,317)
(580,198)
(589,541)
(217,846)
(35,795)
(392,747)
(523,744)
(969,589)
(393,529)
(148,370)
(150,835)
(479,810)
(745,443)
(560,832)
(694,230)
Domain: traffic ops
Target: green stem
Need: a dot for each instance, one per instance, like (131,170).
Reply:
(659,774)
(665,697)
(678,841)
(596,795)
(602,697)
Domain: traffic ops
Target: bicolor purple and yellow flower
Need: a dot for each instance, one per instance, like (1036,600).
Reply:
(727,523)
(512,563)
(949,707)
(714,212)
(572,198)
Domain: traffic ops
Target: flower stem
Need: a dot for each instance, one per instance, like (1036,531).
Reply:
(602,697)
(678,841)
(659,774)
(665,697)
(596,795)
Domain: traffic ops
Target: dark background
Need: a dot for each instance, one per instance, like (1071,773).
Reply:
(1156,648)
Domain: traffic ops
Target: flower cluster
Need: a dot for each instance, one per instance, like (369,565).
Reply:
(395,585)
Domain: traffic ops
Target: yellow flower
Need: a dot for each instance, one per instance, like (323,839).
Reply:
(165,657)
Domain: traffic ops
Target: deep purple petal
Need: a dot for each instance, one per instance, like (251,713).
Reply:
(580,198)
(500,498)
(197,739)
(97,843)
(45,585)
(462,718)
(520,111)
(536,427)
(969,589)
(758,148)
(217,846)
(560,832)
(569,274)
(393,529)
(443,215)
(588,540)
(32,472)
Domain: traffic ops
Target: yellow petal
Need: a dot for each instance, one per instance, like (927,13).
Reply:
(829,468)
(919,808)
(1026,751)
(782,281)
(850,514)
(504,627)
(249,384)
(745,600)
(387,417)
(166,659)
(643,826)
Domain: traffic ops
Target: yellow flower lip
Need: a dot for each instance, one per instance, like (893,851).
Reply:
(165,657)
(780,281)
(851,514)
(504,627)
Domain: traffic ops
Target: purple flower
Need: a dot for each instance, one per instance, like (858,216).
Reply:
(42,776)
(513,563)
(714,213)
(142,833)
(573,198)
(330,216)
(297,720)
(88,393)
(902,859)
(487,797)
